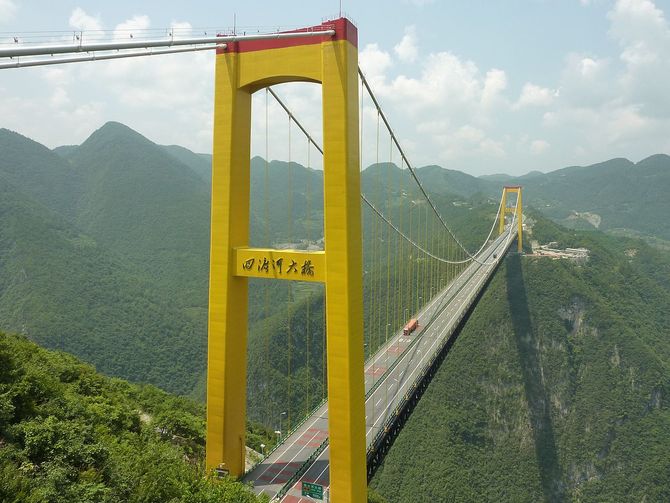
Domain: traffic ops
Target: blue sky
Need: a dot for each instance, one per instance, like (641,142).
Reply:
(480,86)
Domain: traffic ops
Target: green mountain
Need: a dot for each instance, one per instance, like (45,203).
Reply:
(455,182)
(68,289)
(556,390)
(616,196)
(144,209)
(61,287)
(498,177)
(610,195)
(201,164)
(39,173)
(139,202)
(68,434)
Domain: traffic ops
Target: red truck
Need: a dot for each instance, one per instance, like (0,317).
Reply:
(410,327)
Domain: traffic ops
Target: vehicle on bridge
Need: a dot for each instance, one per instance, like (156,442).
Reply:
(411,326)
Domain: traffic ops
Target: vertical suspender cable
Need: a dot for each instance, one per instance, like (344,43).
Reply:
(309,299)
(266,285)
(387,322)
(380,250)
(290,289)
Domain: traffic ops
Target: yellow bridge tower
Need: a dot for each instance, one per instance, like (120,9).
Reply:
(243,68)
(504,210)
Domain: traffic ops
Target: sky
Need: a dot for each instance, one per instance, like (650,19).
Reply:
(481,86)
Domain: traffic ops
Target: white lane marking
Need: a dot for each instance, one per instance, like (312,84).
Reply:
(286,447)
(291,460)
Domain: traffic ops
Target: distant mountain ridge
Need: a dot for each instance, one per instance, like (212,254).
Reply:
(137,213)
(615,193)
(98,254)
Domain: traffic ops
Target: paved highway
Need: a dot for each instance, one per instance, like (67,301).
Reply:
(390,373)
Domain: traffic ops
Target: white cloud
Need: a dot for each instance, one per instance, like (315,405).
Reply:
(470,134)
(587,81)
(407,50)
(535,96)
(447,108)
(538,146)
(125,30)
(80,20)
(589,67)
(643,34)
(608,107)
(466,100)
(374,62)
(635,21)
(445,79)
(7,11)
(494,85)
(59,98)
(492,148)
(57,75)
(160,96)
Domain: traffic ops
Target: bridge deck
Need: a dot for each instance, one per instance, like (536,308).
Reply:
(391,375)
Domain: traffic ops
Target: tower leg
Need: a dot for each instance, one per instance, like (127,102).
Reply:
(227,318)
(344,271)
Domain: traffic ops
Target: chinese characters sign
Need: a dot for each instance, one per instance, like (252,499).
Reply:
(280,264)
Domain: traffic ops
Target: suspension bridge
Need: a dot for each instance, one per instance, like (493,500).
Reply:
(398,283)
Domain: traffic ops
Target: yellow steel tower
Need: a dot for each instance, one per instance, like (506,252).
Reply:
(242,68)
(512,189)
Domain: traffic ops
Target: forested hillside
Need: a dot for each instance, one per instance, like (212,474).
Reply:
(616,195)
(556,390)
(57,285)
(68,289)
(68,434)
(105,250)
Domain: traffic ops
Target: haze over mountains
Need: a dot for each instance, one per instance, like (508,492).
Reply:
(104,253)
(124,224)
(616,194)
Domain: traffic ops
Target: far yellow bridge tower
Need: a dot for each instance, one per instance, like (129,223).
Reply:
(518,208)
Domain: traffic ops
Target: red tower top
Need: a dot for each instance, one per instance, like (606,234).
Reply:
(344,30)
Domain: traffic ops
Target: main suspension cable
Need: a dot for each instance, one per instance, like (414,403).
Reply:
(409,165)
(472,257)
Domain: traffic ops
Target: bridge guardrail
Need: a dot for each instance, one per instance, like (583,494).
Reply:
(424,370)
(396,411)
(382,378)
